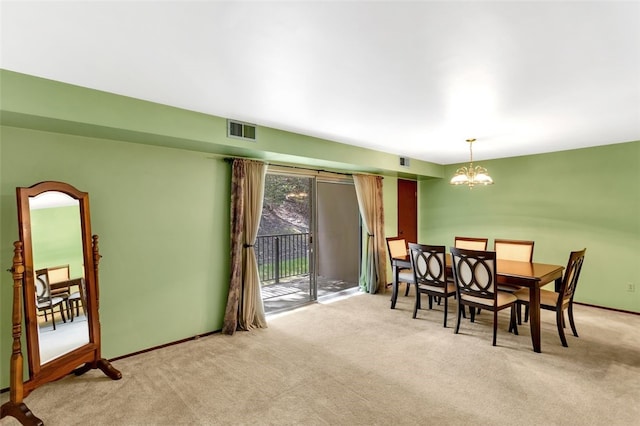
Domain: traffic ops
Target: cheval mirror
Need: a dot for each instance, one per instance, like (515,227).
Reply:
(55,276)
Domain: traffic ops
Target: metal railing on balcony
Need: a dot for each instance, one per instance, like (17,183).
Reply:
(281,256)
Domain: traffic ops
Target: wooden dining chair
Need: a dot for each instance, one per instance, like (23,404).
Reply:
(560,300)
(430,275)
(518,250)
(58,279)
(397,247)
(474,273)
(45,301)
(471,243)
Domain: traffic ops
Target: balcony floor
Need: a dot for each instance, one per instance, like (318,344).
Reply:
(294,292)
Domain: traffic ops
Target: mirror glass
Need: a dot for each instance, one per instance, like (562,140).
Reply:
(58,265)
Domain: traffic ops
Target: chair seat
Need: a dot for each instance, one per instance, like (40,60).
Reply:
(48,304)
(406,276)
(503,298)
(451,288)
(547,297)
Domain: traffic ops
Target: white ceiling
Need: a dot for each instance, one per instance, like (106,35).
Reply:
(410,78)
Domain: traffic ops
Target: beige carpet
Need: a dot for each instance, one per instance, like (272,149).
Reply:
(356,362)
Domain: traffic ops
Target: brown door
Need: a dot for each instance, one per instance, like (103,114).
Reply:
(408,210)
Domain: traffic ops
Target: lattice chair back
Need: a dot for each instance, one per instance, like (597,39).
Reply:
(474,273)
(571,275)
(43,293)
(428,264)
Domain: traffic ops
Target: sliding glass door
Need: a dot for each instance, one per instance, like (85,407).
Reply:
(308,241)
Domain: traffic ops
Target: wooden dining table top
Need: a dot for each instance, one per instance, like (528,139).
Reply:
(516,271)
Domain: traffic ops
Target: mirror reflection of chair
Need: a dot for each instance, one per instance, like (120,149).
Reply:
(44,299)
(397,247)
(560,300)
(430,276)
(76,300)
(474,273)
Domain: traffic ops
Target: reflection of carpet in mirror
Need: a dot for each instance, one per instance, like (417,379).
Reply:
(66,337)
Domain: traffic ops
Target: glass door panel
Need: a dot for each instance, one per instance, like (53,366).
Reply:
(284,246)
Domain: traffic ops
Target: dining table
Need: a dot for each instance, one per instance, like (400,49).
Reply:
(532,275)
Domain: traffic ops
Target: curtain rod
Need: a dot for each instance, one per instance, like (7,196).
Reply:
(230,160)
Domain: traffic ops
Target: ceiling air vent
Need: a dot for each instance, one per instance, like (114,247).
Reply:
(240,130)
(404,162)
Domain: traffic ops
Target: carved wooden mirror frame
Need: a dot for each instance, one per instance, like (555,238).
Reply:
(78,360)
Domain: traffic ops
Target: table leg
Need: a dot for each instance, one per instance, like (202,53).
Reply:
(534,317)
(394,285)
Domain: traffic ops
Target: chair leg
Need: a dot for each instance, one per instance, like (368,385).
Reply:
(512,320)
(464,313)
(416,305)
(53,318)
(406,290)
(430,302)
(62,313)
(519,308)
(559,321)
(446,307)
(495,326)
(394,294)
(573,325)
(460,310)
(526,313)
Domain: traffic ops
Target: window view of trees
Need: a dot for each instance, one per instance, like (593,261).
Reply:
(286,205)
(282,246)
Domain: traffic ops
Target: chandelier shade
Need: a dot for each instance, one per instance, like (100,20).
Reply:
(471,175)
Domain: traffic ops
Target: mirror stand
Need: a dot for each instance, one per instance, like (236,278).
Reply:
(15,407)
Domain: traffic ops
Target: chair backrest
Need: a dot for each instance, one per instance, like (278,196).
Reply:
(520,250)
(58,274)
(474,272)
(397,247)
(470,243)
(571,274)
(42,286)
(428,264)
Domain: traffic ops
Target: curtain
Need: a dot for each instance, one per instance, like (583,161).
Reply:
(244,303)
(374,258)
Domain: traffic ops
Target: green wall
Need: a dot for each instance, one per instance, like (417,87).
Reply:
(563,201)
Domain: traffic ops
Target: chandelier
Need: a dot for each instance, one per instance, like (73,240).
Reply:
(471,175)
